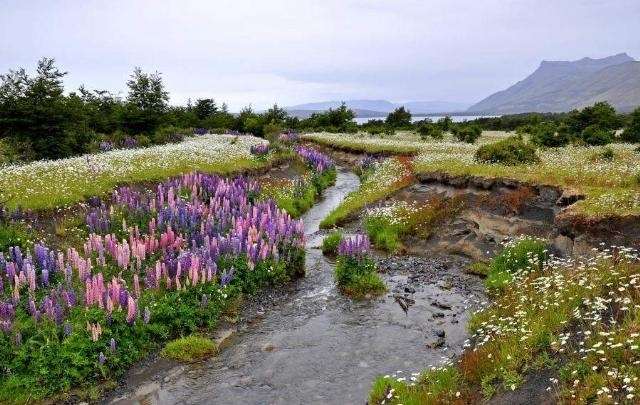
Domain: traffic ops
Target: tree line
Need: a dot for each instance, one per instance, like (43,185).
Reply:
(39,120)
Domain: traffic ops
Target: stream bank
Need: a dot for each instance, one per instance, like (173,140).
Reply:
(306,343)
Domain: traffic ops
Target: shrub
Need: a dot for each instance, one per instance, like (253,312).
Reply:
(189,349)
(14,235)
(549,136)
(605,154)
(510,151)
(427,130)
(517,256)
(467,133)
(330,243)
(596,136)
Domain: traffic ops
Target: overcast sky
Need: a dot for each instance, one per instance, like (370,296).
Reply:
(265,51)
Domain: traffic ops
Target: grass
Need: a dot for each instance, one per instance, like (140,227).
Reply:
(518,256)
(387,225)
(578,319)
(357,277)
(609,181)
(189,349)
(330,243)
(385,178)
(298,196)
(49,184)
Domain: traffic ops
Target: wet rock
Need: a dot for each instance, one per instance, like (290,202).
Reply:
(439,342)
(409,290)
(438,315)
(439,333)
(440,305)
(269,347)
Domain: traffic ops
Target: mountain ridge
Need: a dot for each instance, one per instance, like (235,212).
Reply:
(557,86)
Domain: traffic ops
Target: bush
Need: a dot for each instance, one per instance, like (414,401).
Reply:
(518,256)
(510,151)
(467,133)
(427,130)
(330,243)
(549,136)
(168,134)
(189,349)
(631,133)
(596,136)
(605,154)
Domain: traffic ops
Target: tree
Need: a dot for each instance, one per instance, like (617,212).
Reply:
(147,102)
(205,108)
(275,115)
(631,133)
(399,118)
(601,115)
(445,123)
(34,112)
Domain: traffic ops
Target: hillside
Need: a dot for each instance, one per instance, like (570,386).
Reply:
(561,86)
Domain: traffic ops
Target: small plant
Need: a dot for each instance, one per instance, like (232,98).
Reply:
(606,154)
(189,349)
(355,271)
(331,242)
(510,151)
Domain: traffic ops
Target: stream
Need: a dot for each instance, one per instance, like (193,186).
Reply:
(306,343)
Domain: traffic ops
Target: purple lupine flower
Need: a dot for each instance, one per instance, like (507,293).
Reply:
(147,315)
(200,131)
(260,150)
(67,329)
(101,358)
(112,345)
(318,162)
(355,247)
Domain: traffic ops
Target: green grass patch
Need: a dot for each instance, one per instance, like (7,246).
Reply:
(357,277)
(189,349)
(330,243)
(516,259)
(386,178)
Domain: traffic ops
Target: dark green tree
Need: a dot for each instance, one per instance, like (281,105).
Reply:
(399,118)
(631,132)
(205,108)
(147,102)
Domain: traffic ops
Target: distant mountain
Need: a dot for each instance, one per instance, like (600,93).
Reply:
(558,86)
(374,108)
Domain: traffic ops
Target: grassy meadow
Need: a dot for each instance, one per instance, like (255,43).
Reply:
(48,184)
(611,183)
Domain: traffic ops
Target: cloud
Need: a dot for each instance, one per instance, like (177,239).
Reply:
(296,51)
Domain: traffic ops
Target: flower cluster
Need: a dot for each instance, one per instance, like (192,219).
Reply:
(260,149)
(200,131)
(289,137)
(193,223)
(319,162)
(357,246)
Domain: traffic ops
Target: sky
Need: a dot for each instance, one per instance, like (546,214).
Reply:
(289,52)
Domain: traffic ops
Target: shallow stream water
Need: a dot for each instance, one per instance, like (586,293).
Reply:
(309,344)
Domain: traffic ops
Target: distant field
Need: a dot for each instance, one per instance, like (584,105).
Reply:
(612,186)
(48,184)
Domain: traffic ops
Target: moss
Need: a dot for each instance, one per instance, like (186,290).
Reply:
(189,349)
